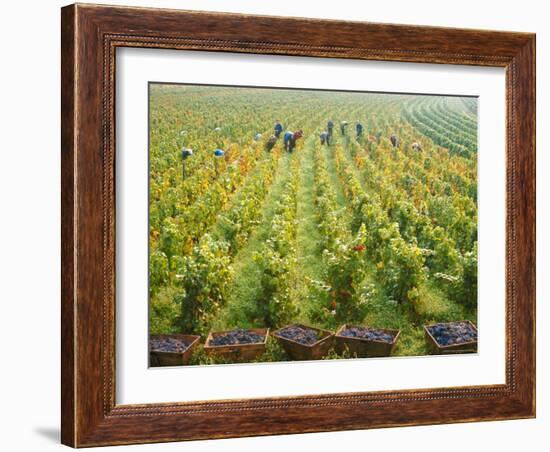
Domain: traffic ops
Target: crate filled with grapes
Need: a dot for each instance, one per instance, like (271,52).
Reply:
(171,349)
(366,342)
(304,343)
(237,345)
(452,337)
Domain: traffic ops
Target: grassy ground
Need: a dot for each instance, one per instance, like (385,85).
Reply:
(308,252)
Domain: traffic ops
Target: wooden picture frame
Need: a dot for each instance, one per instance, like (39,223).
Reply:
(90,35)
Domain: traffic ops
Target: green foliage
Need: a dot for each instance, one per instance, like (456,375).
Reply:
(402,269)
(238,222)
(445,257)
(333,354)
(163,312)
(464,289)
(169,239)
(205,276)
(159,272)
(201,358)
(276,259)
(275,303)
(273,352)
(345,272)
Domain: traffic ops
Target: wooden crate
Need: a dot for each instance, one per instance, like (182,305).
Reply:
(303,352)
(436,348)
(365,348)
(159,359)
(237,352)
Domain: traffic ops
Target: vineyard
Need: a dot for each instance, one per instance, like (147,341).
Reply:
(362,231)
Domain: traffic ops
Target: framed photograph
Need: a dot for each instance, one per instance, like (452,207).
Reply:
(281,225)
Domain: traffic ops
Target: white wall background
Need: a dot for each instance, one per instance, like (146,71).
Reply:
(29,226)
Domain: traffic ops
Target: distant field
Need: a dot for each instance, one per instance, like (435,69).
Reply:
(358,232)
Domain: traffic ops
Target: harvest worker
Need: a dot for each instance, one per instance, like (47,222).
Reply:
(394,141)
(185,154)
(278,128)
(417,147)
(325,138)
(219,153)
(270,143)
(290,139)
(343,125)
(330,126)
(359,129)
(257,137)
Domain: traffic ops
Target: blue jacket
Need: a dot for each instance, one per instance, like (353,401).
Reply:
(359,128)
(279,127)
(288,136)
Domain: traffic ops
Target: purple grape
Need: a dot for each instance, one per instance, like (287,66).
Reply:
(238,336)
(299,334)
(168,344)
(371,334)
(453,333)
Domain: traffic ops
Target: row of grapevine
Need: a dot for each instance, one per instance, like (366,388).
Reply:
(440,130)
(276,257)
(450,224)
(206,272)
(184,227)
(180,209)
(338,295)
(461,121)
(454,212)
(400,265)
